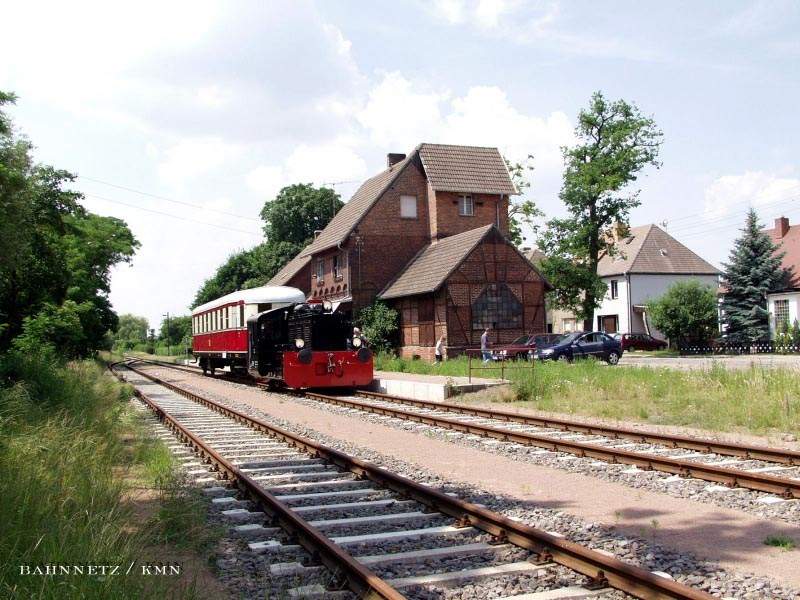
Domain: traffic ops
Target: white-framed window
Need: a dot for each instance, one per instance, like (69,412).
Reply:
(408,207)
(320,269)
(466,205)
(614,289)
(781,314)
(338,265)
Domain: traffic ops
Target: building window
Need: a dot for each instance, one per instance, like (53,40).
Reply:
(466,206)
(614,289)
(408,207)
(568,325)
(781,314)
(496,307)
(320,270)
(339,263)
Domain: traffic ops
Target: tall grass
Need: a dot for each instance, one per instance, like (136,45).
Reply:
(756,399)
(63,501)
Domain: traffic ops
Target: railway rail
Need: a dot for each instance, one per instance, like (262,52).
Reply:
(595,441)
(270,465)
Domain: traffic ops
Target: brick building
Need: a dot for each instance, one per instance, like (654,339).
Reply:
(428,235)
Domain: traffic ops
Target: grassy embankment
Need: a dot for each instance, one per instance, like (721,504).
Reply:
(758,400)
(83,484)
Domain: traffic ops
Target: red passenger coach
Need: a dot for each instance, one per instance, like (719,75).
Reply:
(219,327)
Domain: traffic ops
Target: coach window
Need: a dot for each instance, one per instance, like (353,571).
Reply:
(241,316)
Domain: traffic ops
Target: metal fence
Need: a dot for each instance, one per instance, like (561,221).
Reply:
(476,363)
(738,349)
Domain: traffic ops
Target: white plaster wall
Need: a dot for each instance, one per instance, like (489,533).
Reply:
(646,287)
(617,306)
(793,298)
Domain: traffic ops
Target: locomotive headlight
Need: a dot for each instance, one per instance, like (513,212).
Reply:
(357,342)
(299,343)
(327,305)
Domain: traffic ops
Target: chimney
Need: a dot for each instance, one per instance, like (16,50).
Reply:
(782,226)
(393,158)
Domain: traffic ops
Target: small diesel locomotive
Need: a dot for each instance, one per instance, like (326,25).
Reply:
(273,334)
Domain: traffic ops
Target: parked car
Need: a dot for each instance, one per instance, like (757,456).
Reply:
(640,341)
(524,347)
(583,345)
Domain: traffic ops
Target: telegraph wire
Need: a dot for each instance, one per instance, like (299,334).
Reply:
(187,219)
(135,191)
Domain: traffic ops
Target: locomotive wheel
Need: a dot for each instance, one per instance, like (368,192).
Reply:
(204,366)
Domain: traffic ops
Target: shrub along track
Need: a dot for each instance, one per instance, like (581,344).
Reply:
(546,548)
(511,427)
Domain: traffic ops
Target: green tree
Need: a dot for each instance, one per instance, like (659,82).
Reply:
(521,210)
(290,221)
(753,270)
(131,330)
(615,142)
(178,330)
(52,250)
(55,329)
(379,325)
(686,313)
(298,211)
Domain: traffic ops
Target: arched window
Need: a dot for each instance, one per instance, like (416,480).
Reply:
(496,307)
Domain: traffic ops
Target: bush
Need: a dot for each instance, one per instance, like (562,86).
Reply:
(57,328)
(686,313)
(379,325)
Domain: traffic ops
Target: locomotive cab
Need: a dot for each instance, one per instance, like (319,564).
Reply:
(307,345)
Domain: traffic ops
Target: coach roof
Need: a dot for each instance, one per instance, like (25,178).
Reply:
(266,294)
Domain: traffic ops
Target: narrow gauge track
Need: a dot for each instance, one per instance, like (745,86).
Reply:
(602,445)
(265,462)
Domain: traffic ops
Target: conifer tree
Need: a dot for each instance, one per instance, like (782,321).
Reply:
(754,269)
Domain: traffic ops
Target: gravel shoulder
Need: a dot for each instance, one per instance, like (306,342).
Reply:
(729,537)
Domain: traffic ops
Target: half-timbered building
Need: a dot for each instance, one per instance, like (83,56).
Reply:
(428,236)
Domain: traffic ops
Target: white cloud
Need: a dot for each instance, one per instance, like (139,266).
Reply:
(190,159)
(731,193)
(397,113)
(451,11)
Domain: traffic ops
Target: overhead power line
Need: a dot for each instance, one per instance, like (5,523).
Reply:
(180,218)
(135,191)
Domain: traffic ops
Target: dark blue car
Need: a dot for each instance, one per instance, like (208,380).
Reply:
(583,345)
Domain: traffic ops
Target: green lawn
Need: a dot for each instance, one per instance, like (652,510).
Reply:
(757,400)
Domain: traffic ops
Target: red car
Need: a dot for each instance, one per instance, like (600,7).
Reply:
(640,341)
(524,347)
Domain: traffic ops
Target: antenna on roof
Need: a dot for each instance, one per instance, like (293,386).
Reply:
(664,223)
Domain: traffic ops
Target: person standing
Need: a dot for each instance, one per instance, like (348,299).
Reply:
(485,353)
(438,352)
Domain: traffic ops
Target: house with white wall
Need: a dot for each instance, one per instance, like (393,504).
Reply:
(646,262)
(783,304)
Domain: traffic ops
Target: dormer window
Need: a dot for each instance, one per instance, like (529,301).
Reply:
(466,205)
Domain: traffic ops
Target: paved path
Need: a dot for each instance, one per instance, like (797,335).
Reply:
(733,538)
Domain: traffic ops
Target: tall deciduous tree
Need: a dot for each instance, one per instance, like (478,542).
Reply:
(615,142)
(754,269)
(522,211)
(290,221)
(298,211)
(131,330)
(52,252)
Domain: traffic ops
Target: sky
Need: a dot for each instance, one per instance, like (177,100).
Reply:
(183,118)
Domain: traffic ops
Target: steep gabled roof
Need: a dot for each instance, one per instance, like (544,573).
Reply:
(789,244)
(650,249)
(434,263)
(473,169)
(355,209)
(289,270)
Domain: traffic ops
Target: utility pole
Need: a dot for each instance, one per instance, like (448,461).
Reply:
(167,316)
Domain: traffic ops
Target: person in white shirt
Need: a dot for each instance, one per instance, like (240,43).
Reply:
(439,350)
(485,352)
